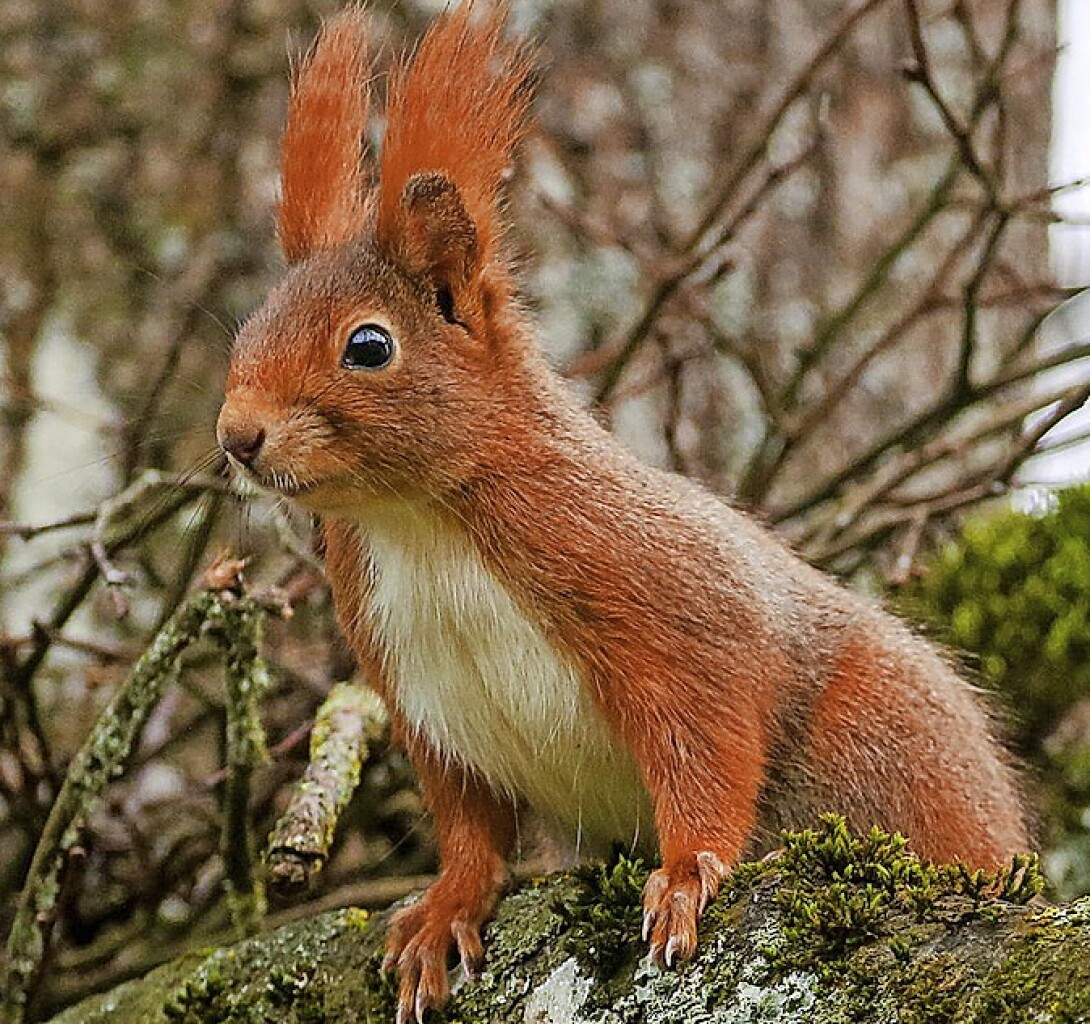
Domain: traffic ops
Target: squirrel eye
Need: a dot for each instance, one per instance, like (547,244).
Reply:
(369,347)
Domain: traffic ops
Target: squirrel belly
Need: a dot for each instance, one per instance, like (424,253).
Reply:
(484,686)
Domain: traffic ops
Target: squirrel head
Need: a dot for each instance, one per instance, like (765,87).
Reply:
(378,363)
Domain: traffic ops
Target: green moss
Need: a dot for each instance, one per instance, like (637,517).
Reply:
(1015,590)
(604,914)
(303,974)
(835,893)
(524,941)
(1044,957)
(840,892)
(357,918)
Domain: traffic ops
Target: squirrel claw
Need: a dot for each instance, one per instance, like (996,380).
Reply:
(420,939)
(648,923)
(673,900)
(470,947)
(422,982)
(414,1016)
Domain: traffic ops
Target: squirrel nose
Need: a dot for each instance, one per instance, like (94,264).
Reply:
(243,443)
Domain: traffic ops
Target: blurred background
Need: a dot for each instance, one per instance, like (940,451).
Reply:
(825,257)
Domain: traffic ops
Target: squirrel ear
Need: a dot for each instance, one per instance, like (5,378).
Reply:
(437,235)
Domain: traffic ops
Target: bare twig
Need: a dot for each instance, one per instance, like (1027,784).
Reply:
(924,74)
(694,249)
(27,531)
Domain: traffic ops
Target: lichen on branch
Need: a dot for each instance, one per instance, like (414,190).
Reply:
(836,928)
(349,722)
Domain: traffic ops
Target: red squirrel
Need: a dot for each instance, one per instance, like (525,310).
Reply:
(550,622)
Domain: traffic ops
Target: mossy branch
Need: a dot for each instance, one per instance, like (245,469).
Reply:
(246,679)
(836,929)
(348,723)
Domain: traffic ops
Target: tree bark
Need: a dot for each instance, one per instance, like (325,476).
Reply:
(836,929)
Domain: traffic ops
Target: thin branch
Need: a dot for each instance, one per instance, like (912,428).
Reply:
(807,419)
(27,531)
(137,523)
(349,722)
(831,328)
(971,304)
(836,537)
(923,74)
(771,122)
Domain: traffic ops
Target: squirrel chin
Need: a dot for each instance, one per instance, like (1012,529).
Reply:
(250,484)
(332,496)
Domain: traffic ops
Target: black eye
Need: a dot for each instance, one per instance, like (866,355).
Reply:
(369,347)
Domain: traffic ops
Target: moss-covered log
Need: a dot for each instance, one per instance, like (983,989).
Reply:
(836,929)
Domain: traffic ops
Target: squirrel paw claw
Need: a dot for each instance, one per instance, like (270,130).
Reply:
(673,899)
(420,940)
(467,937)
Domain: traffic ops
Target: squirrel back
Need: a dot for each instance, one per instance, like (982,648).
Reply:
(550,621)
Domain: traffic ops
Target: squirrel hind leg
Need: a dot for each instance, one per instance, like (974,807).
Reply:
(900,741)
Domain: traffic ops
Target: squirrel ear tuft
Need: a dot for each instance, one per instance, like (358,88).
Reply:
(437,236)
(323,181)
(456,109)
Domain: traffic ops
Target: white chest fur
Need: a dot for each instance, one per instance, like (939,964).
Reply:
(487,688)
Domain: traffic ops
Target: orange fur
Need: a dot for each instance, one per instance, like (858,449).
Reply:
(852,721)
(323,183)
(749,691)
(457,107)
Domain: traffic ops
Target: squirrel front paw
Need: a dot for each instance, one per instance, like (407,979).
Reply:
(419,944)
(673,899)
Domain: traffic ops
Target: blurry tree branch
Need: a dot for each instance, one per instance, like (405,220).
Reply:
(696,249)
(235,620)
(797,250)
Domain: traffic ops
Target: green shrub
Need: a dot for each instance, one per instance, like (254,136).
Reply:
(1013,591)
